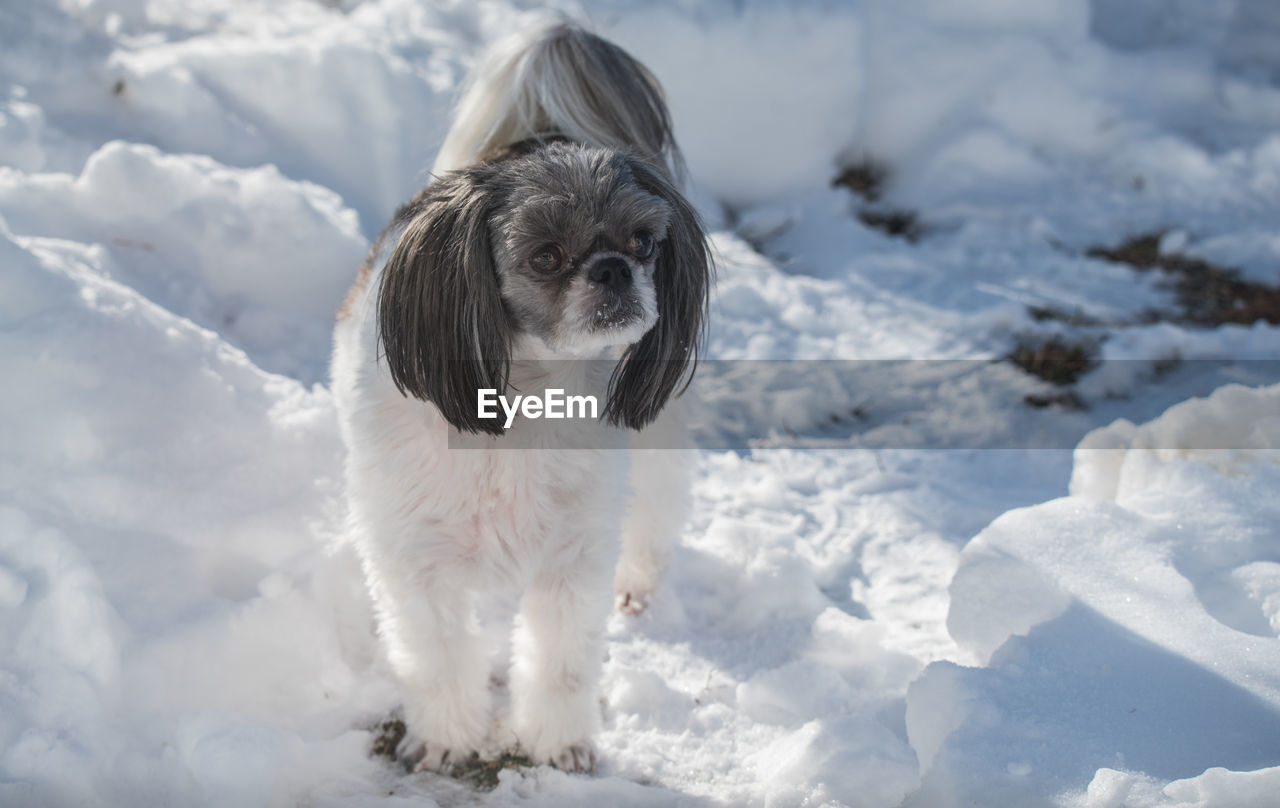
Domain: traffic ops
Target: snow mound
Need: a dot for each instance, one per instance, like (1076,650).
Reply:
(325,104)
(1141,608)
(1118,461)
(1216,788)
(159,563)
(263,259)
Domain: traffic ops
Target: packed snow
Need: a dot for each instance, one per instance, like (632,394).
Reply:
(902,586)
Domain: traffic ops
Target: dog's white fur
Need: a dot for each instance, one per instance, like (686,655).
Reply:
(435,526)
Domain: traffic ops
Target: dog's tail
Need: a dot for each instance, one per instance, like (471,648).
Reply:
(557,80)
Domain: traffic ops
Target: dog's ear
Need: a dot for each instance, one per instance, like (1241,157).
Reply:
(664,358)
(443,327)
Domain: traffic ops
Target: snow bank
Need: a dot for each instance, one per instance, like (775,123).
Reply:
(1220,788)
(1227,430)
(326,104)
(171,629)
(263,259)
(1138,610)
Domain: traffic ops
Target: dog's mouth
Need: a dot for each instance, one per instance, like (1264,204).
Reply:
(601,318)
(613,312)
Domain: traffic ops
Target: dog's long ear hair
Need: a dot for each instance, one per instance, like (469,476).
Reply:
(444,330)
(663,359)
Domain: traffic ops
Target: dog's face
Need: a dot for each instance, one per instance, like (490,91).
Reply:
(576,245)
(582,248)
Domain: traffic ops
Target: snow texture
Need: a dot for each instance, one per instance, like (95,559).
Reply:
(187,187)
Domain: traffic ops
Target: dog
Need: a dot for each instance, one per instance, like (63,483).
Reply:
(553,249)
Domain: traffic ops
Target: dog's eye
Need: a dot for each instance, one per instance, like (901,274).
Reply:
(642,245)
(547,259)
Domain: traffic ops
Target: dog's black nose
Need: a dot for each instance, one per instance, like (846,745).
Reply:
(612,273)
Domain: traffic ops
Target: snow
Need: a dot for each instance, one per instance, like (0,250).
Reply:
(245,252)
(1089,615)
(901,585)
(741,88)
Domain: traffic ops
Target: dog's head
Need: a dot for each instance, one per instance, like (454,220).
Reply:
(583,248)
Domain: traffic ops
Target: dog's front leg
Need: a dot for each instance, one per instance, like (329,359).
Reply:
(559,652)
(437,653)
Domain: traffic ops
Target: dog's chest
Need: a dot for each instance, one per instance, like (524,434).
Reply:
(532,509)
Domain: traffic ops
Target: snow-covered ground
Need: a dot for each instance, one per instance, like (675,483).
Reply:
(941,605)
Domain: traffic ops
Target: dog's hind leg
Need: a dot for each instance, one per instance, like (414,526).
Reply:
(660,500)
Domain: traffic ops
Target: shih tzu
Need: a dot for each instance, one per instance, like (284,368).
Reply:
(552,250)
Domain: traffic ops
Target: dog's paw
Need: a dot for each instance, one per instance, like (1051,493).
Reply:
(577,757)
(427,756)
(631,603)
(633,586)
